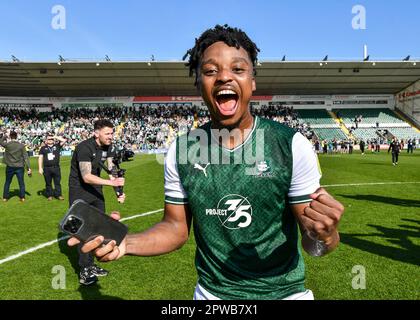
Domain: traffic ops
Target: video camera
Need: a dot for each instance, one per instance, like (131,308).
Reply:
(116,171)
(123,155)
(120,156)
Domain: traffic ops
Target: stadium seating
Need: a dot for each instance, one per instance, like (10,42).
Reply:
(365,133)
(329,134)
(405,133)
(315,117)
(368,116)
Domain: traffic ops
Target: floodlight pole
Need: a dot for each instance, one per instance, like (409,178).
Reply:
(365,52)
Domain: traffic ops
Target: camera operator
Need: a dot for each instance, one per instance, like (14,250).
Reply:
(49,165)
(85,183)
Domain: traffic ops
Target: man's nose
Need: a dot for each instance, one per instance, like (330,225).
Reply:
(224,75)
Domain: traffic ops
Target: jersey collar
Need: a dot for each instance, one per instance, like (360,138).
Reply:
(248,138)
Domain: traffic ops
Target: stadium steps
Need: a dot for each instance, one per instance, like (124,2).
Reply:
(341,124)
(406,118)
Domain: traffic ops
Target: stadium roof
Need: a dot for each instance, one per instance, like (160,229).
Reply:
(79,79)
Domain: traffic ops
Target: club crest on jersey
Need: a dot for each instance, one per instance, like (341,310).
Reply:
(233,211)
(262,166)
(263,169)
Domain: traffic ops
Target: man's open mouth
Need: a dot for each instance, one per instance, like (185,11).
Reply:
(227,102)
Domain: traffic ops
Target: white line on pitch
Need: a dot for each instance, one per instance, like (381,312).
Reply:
(368,184)
(141,215)
(49,243)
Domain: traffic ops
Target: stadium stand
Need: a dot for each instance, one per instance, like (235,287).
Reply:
(365,133)
(329,134)
(315,117)
(364,123)
(405,133)
(368,116)
(143,129)
(153,126)
(322,124)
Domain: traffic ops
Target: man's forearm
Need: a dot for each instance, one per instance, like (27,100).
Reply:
(95,180)
(61,139)
(110,163)
(162,238)
(40,160)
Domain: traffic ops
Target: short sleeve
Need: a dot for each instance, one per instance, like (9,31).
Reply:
(83,153)
(174,192)
(306,170)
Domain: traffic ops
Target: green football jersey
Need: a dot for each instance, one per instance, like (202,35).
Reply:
(246,235)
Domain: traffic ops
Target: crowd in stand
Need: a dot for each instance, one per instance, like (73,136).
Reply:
(283,114)
(137,128)
(142,128)
(154,128)
(74,124)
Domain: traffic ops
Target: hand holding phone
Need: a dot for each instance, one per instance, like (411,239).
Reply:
(86,222)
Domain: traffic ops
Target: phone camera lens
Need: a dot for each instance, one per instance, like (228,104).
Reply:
(73,224)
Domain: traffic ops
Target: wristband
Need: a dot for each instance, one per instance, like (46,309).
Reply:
(313,246)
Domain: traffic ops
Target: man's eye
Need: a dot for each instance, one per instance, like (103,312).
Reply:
(238,70)
(210,72)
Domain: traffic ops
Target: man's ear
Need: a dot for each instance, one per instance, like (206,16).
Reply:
(96,133)
(254,84)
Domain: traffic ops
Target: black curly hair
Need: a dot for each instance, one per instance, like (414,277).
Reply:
(233,37)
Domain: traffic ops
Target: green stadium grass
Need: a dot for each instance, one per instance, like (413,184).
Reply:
(380,231)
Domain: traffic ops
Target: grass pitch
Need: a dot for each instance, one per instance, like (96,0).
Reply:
(380,234)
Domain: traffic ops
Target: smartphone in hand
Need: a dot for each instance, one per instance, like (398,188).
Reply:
(86,222)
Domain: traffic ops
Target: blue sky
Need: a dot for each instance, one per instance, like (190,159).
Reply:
(134,30)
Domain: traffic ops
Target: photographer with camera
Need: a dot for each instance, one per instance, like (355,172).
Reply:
(16,158)
(85,183)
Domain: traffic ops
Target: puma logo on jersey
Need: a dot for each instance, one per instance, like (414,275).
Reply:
(199,167)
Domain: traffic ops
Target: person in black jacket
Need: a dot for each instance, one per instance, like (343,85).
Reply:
(410,146)
(362,146)
(395,147)
(49,166)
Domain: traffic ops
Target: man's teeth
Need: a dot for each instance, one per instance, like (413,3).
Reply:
(225,92)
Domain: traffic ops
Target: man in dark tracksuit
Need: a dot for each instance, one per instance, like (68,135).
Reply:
(86,184)
(15,157)
(49,166)
(410,146)
(362,146)
(395,147)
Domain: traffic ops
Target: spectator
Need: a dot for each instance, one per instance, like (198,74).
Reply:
(15,158)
